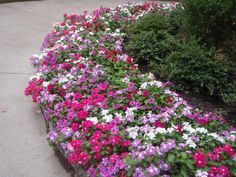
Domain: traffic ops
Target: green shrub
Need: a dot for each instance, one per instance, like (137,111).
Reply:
(194,67)
(212,21)
(150,38)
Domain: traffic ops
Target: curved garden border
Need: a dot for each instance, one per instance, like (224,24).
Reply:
(108,118)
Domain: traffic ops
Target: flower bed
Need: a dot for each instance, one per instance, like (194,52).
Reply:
(110,119)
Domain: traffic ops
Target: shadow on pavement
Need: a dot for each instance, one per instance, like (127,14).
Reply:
(9,1)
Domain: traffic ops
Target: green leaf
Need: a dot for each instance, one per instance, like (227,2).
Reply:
(170,158)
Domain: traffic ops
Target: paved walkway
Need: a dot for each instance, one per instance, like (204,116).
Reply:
(24,151)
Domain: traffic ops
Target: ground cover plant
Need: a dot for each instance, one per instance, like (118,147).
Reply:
(110,119)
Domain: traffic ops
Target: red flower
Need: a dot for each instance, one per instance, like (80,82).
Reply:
(124,107)
(129,60)
(179,128)
(202,121)
(98,156)
(128,96)
(82,114)
(50,87)
(200,159)
(146,93)
(114,52)
(159,124)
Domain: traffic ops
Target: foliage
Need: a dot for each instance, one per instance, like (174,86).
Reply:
(211,21)
(195,67)
(150,38)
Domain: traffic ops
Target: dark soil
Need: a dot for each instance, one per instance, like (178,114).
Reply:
(204,102)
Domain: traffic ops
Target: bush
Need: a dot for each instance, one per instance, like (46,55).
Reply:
(150,39)
(195,67)
(211,21)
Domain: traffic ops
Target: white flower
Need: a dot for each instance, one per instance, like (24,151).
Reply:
(151,76)
(37,76)
(170,130)
(234,158)
(200,173)
(108,118)
(217,137)
(202,130)
(63,80)
(104,112)
(81,29)
(93,119)
(150,135)
(45,84)
(70,76)
(144,85)
(161,130)
(133,135)
(117,30)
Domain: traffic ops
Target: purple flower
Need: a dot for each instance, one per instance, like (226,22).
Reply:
(167,146)
(164,166)
(151,151)
(138,173)
(52,136)
(92,172)
(136,143)
(153,171)
(67,132)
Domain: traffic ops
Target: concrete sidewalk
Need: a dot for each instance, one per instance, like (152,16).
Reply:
(24,151)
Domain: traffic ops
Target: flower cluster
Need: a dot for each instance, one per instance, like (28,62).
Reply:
(112,120)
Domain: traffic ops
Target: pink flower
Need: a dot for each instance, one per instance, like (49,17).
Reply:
(82,114)
(228,149)
(103,86)
(76,144)
(200,159)
(126,143)
(96,148)
(93,141)
(74,126)
(97,134)
(73,158)
(213,157)
(151,100)
(87,124)
(114,157)
(222,171)
(114,140)
(77,96)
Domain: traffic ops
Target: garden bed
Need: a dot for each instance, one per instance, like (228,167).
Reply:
(108,118)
